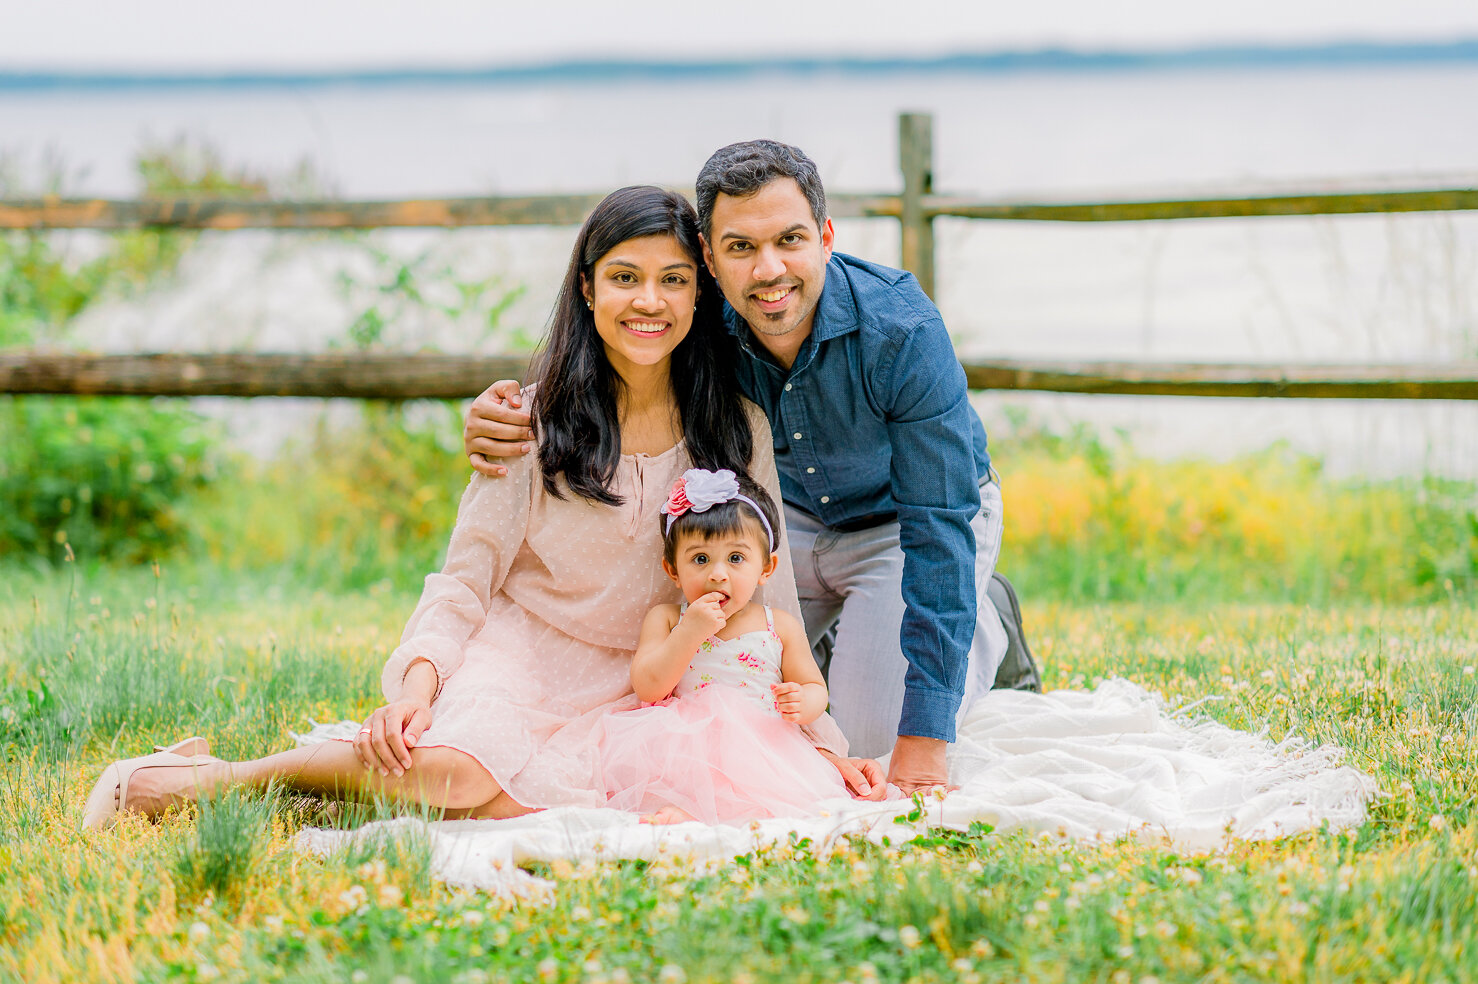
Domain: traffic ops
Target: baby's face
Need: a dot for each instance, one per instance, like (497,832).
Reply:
(732,564)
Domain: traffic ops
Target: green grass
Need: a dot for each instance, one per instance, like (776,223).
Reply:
(100,665)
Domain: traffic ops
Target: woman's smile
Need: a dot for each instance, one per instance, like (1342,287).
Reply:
(645,327)
(642,294)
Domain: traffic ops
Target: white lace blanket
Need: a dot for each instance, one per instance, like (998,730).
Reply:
(1108,763)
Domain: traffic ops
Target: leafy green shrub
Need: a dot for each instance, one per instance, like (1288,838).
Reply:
(103,475)
(352,507)
(1089,521)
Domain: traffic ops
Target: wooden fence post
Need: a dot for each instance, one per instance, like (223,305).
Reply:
(916,160)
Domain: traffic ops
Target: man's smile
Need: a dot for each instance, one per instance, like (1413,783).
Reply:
(774,298)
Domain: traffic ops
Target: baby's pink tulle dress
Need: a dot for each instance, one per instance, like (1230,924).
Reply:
(717,748)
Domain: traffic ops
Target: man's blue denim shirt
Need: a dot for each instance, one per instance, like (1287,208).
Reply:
(874,419)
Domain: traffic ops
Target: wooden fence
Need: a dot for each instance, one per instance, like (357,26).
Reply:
(405,376)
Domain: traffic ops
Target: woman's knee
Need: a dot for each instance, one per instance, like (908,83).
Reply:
(453,778)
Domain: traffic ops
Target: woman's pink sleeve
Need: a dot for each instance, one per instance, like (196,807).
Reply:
(492,522)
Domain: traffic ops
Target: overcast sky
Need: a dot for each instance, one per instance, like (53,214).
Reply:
(336,34)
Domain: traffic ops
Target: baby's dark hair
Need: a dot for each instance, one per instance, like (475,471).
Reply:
(724,519)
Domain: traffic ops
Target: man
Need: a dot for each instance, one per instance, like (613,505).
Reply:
(893,514)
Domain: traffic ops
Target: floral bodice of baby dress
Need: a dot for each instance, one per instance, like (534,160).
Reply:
(749,664)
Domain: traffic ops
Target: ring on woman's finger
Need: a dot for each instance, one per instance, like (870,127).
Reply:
(365,731)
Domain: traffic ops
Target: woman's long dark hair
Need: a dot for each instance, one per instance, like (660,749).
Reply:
(575,407)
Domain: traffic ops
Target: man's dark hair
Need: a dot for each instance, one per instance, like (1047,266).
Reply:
(741,169)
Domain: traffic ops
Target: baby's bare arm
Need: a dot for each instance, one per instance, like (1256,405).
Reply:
(802,697)
(666,646)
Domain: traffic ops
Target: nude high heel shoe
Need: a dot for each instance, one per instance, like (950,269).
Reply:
(105,804)
(194,745)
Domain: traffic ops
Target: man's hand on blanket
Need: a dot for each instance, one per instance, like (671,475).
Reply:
(917,765)
(864,777)
(385,741)
(498,425)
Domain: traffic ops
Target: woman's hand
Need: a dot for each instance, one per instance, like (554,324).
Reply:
(388,735)
(497,426)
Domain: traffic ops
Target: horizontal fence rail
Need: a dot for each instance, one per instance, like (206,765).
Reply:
(361,375)
(1411,381)
(1330,203)
(445,213)
(224,213)
(398,376)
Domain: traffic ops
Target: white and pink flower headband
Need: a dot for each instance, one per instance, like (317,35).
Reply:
(700,490)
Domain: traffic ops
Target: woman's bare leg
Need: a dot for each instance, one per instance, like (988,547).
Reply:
(500,807)
(439,777)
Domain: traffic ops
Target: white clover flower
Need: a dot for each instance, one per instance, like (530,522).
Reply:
(199,932)
(909,936)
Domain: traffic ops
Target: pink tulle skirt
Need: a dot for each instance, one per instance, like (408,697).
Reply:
(717,754)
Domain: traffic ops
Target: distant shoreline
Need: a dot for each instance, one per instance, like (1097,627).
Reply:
(1050,60)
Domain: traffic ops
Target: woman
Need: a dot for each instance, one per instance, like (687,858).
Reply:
(525,637)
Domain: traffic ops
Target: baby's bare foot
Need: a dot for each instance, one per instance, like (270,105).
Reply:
(668,814)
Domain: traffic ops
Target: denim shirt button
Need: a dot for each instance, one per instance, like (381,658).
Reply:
(796,435)
(787,387)
(810,471)
(825,499)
